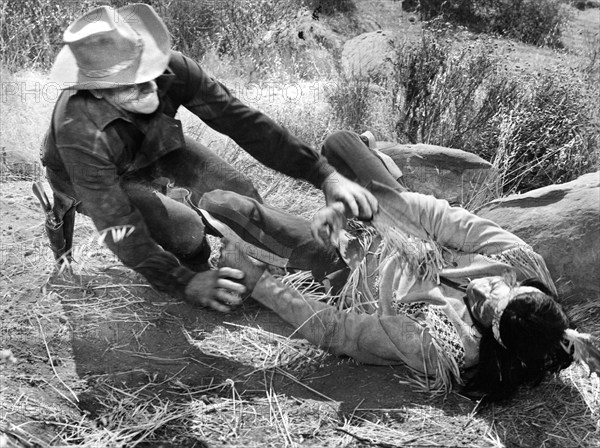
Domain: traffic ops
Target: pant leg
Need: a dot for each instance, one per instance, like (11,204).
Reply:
(346,152)
(275,230)
(173,225)
(289,236)
(200,170)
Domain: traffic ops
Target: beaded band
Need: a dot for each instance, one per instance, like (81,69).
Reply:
(502,304)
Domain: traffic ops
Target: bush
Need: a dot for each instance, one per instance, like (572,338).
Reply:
(539,129)
(537,22)
(449,97)
(550,135)
(462,12)
(32,30)
(351,102)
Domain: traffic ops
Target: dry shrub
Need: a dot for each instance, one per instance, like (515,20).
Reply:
(537,22)
(544,126)
(350,101)
(551,134)
(448,96)
(32,30)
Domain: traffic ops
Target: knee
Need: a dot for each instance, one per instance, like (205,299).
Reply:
(247,188)
(336,143)
(228,203)
(183,232)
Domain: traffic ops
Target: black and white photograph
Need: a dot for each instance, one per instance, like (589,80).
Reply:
(299,223)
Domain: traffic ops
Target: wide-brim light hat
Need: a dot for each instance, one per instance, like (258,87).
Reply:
(109,47)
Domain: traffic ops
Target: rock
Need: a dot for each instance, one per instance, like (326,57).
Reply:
(562,224)
(304,42)
(308,29)
(304,32)
(445,173)
(367,55)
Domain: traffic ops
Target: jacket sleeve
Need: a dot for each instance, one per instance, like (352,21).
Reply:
(256,133)
(97,185)
(367,338)
(426,217)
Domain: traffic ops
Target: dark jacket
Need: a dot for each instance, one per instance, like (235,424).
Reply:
(91,145)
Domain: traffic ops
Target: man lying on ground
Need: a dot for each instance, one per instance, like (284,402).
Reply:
(449,294)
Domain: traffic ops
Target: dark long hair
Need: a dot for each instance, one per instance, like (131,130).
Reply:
(531,328)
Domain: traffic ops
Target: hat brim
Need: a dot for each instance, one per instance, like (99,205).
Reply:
(153,61)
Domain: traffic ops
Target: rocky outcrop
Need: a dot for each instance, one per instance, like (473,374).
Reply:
(562,223)
(445,173)
(303,32)
(368,55)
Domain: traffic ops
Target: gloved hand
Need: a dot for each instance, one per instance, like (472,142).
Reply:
(217,289)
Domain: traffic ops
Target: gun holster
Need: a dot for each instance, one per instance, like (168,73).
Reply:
(61,234)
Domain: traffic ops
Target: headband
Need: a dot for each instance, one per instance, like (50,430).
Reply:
(500,307)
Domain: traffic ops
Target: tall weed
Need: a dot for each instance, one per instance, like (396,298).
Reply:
(537,22)
(31,33)
(449,96)
(550,135)
(350,101)
(544,127)
(31,30)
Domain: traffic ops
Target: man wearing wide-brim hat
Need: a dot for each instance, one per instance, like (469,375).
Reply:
(114,148)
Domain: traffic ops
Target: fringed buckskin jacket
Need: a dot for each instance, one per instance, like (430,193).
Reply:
(408,272)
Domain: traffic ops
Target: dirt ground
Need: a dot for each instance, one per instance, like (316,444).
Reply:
(104,360)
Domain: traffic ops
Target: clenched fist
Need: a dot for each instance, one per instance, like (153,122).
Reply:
(218,289)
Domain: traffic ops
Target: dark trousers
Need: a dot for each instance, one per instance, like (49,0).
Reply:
(231,197)
(171,223)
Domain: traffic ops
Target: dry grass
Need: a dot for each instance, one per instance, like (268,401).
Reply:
(253,407)
(255,347)
(270,420)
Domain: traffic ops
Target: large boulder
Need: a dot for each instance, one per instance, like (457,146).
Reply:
(369,55)
(562,223)
(445,173)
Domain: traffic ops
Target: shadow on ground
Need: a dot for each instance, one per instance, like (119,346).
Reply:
(129,336)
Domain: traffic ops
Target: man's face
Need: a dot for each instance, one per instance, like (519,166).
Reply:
(136,98)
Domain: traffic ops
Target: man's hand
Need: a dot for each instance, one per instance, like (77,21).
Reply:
(233,256)
(216,289)
(359,202)
(328,222)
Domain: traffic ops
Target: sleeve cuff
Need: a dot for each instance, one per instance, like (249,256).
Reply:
(322,170)
(165,273)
